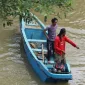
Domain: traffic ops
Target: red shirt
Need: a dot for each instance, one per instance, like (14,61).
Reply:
(59,45)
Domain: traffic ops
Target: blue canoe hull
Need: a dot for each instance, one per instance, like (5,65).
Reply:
(37,65)
(43,76)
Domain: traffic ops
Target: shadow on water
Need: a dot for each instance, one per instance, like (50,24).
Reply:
(32,73)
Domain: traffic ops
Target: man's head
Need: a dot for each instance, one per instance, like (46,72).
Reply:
(54,21)
(62,32)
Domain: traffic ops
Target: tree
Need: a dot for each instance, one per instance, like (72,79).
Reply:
(24,7)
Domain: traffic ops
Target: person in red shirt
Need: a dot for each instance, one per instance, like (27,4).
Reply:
(59,46)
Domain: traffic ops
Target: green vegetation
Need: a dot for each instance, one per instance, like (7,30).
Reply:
(12,8)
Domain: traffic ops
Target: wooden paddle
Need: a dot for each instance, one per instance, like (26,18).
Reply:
(43,54)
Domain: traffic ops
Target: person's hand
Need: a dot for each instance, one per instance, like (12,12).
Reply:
(77,47)
(63,51)
(47,37)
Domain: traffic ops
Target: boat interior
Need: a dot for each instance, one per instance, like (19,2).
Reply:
(36,38)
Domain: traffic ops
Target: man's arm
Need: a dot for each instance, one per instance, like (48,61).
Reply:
(46,33)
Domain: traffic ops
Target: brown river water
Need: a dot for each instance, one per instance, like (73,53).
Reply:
(14,68)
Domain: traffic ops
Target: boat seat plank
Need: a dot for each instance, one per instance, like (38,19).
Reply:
(34,40)
(49,65)
(38,50)
(31,24)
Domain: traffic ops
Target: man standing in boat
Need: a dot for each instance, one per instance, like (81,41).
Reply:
(59,46)
(51,37)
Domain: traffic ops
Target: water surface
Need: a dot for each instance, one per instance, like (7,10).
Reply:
(14,68)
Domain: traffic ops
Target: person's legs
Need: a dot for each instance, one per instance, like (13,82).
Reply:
(57,58)
(48,49)
(53,50)
(57,61)
(60,62)
(63,61)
